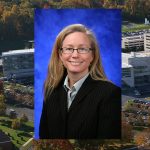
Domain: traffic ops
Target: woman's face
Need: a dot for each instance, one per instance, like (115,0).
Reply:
(76,63)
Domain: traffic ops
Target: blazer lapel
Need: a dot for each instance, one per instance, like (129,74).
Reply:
(87,86)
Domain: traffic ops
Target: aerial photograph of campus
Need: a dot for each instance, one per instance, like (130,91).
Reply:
(17,75)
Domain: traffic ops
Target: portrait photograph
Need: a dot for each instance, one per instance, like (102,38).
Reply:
(77,74)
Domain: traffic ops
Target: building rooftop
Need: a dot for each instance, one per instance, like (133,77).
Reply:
(139,54)
(125,65)
(134,37)
(136,54)
(127,56)
(15,52)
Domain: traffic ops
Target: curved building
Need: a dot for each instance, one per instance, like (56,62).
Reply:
(18,64)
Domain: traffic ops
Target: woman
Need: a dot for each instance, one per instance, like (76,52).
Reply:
(79,102)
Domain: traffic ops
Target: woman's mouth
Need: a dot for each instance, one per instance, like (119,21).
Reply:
(75,62)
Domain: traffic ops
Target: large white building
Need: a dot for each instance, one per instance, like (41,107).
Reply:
(136,68)
(136,65)
(133,41)
(18,63)
(147,41)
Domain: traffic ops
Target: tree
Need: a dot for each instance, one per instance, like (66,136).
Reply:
(128,105)
(2,98)
(75,4)
(136,9)
(25,20)
(130,6)
(52,144)
(148,120)
(143,138)
(140,120)
(2,105)
(16,17)
(1,86)
(24,118)
(108,4)
(9,19)
(91,144)
(16,124)
(1,9)
(127,133)
(12,114)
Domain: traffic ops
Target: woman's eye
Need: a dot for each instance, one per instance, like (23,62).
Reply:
(68,49)
(82,49)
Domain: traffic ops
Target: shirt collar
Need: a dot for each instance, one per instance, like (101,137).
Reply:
(77,85)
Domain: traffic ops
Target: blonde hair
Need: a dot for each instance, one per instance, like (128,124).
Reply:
(56,70)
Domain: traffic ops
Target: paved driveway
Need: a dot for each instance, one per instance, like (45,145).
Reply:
(22,110)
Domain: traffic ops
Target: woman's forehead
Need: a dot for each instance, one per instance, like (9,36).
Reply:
(76,37)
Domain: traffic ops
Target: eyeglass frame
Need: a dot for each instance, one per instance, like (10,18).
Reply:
(73,49)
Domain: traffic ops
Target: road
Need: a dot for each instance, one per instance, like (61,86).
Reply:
(22,110)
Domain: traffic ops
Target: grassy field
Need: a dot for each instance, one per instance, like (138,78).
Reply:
(134,28)
(20,136)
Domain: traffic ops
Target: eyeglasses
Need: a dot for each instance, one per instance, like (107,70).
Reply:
(68,50)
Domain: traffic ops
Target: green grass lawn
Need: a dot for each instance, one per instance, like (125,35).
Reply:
(147,98)
(20,136)
(139,128)
(136,27)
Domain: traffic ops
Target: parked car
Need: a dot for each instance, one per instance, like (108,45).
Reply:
(12,113)
(137,93)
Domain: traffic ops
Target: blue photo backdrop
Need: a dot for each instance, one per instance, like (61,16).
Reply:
(105,23)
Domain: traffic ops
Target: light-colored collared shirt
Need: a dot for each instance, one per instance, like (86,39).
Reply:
(71,92)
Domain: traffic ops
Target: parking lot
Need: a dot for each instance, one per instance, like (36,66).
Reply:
(22,110)
(131,94)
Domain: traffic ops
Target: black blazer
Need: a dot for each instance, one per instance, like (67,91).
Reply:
(94,113)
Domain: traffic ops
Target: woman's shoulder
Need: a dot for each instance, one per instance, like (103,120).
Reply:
(106,84)
(107,90)
(101,83)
